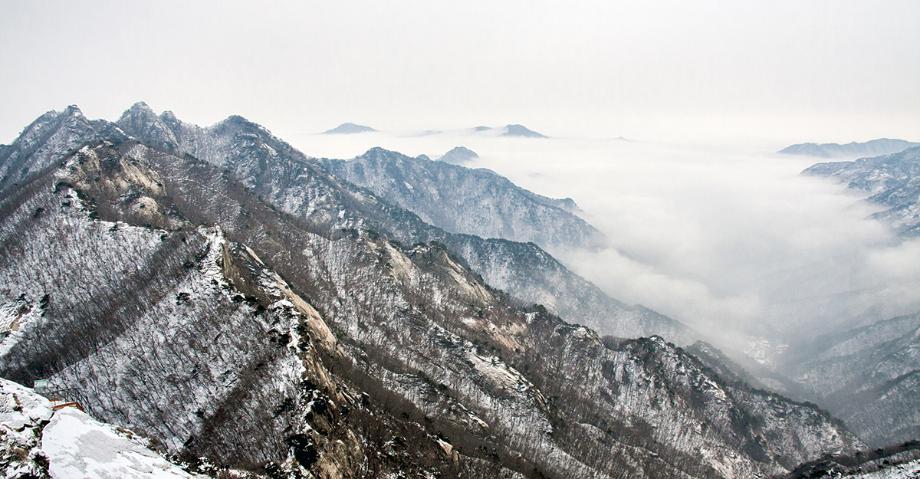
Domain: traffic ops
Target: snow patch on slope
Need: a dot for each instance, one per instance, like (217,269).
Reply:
(910,470)
(14,315)
(37,441)
(78,446)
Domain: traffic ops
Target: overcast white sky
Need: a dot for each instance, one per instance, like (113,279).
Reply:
(704,226)
(770,71)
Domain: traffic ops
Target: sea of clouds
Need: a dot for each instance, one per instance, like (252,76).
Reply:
(728,239)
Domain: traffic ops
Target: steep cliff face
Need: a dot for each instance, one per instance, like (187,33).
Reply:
(231,329)
(302,187)
(460,200)
(892,181)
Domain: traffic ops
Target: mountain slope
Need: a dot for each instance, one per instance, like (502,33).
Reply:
(261,340)
(868,377)
(180,333)
(880,146)
(892,181)
(302,187)
(460,200)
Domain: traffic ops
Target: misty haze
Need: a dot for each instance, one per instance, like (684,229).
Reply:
(489,239)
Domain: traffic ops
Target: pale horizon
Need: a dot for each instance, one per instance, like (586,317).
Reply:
(766,74)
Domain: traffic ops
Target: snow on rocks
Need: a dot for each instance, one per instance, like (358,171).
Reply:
(497,372)
(909,470)
(76,445)
(37,441)
(22,415)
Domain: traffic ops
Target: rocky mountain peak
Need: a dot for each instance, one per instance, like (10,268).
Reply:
(45,141)
(239,124)
(377,152)
(73,110)
(168,116)
(141,121)
(140,107)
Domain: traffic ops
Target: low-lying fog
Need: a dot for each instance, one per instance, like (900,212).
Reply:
(723,239)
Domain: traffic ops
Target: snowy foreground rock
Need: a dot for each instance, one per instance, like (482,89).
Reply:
(37,441)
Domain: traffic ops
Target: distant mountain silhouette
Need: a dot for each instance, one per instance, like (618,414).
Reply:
(459,155)
(349,129)
(879,146)
(523,131)
(513,129)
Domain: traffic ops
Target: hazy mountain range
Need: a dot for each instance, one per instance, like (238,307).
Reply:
(891,180)
(879,146)
(512,130)
(349,129)
(461,200)
(250,308)
(868,377)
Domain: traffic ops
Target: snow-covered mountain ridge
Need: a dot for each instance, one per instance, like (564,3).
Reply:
(303,187)
(462,200)
(198,301)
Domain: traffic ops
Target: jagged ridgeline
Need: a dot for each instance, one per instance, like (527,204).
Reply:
(330,200)
(462,200)
(235,301)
